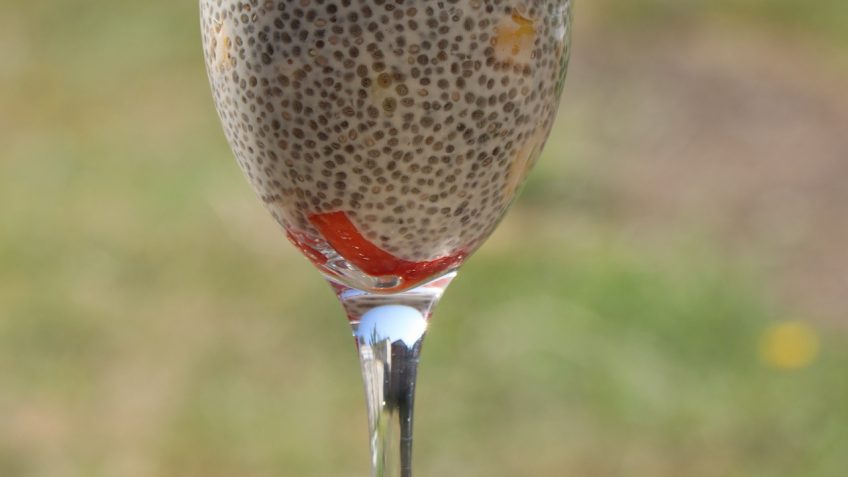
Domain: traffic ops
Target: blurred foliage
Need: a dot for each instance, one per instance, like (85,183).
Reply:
(153,322)
(821,19)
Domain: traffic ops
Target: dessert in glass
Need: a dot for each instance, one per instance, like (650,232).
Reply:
(387,138)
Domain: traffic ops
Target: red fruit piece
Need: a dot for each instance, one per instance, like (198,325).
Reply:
(345,238)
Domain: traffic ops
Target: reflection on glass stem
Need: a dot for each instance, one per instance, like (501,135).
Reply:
(389,332)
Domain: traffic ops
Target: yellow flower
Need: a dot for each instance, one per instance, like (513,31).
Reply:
(789,345)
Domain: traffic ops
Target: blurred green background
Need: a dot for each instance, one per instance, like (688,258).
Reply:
(669,297)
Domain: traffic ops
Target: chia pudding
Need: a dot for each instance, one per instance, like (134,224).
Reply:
(387,137)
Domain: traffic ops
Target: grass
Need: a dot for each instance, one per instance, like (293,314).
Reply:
(154,323)
(820,20)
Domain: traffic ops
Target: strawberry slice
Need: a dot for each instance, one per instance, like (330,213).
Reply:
(345,238)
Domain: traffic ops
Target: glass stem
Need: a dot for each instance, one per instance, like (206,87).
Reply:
(389,331)
(389,371)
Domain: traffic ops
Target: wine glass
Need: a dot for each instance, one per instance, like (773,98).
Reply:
(387,138)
